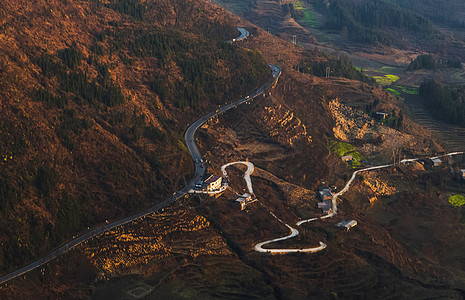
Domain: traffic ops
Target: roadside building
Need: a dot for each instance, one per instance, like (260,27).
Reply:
(212,183)
(325,194)
(347,225)
(245,199)
(326,198)
(381,115)
(325,206)
(347,158)
(436,162)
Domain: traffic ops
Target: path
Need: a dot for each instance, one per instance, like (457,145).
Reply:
(243,35)
(294,232)
(250,169)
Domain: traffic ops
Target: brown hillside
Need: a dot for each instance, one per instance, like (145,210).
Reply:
(94,103)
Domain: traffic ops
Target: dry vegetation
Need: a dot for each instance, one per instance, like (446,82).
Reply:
(131,154)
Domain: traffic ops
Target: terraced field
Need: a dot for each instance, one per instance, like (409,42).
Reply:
(450,136)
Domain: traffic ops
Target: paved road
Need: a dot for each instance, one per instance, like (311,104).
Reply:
(244,35)
(294,232)
(189,135)
(199,172)
(250,169)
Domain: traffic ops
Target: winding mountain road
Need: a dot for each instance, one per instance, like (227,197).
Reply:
(199,173)
(294,232)
(191,130)
(244,34)
(250,169)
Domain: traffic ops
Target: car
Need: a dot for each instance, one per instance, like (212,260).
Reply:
(247,97)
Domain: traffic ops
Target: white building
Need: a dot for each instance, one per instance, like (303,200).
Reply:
(347,224)
(347,158)
(436,162)
(213,183)
(245,199)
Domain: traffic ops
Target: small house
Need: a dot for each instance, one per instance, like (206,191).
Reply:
(213,183)
(347,225)
(462,173)
(347,158)
(436,162)
(325,206)
(325,194)
(245,199)
(381,115)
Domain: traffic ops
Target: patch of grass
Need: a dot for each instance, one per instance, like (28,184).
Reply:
(411,90)
(388,70)
(342,149)
(393,92)
(457,200)
(386,79)
(298,5)
(306,14)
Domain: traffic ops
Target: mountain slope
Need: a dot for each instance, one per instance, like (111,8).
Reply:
(95,98)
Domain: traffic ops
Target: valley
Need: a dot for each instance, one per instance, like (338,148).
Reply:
(100,128)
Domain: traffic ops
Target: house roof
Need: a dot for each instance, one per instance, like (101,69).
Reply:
(325,192)
(243,197)
(211,179)
(346,224)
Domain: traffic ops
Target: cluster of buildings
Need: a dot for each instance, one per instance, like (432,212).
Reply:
(214,183)
(326,204)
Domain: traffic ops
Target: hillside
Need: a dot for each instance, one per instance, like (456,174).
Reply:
(95,98)
(94,118)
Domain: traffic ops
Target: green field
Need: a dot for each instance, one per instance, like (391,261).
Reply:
(388,70)
(306,14)
(393,92)
(411,90)
(342,149)
(386,79)
(457,200)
